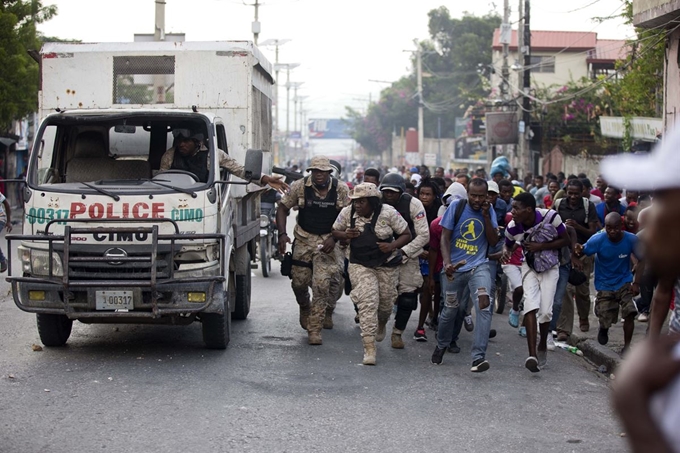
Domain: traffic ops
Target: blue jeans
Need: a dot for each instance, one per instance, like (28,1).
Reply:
(455,303)
(559,294)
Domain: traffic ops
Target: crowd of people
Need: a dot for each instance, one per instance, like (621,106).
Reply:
(407,238)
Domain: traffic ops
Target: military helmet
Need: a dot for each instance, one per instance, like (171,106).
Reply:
(394,182)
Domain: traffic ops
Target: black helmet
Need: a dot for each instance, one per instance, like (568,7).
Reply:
(393,181)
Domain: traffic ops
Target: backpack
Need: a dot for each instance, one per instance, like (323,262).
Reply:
(543,232)
(586,205)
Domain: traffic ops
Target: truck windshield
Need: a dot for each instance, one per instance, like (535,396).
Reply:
(122,152)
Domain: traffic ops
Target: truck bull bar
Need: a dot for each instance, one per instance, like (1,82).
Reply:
(155,284)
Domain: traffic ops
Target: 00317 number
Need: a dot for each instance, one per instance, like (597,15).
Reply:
(114,300)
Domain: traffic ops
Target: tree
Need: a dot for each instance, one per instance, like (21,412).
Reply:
(639,91)
(18,72)
(454,61)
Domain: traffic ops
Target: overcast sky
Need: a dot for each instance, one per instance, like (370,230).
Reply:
(340,44)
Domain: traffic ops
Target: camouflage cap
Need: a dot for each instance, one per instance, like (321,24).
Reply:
(320,163)
(364,190)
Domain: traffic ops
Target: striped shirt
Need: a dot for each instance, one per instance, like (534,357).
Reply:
(517,233)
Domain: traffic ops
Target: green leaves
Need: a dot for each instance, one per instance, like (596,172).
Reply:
(18,72)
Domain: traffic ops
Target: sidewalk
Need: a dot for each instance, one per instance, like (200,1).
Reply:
(608,355)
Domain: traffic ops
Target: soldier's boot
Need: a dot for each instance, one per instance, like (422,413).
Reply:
(314,338)
(304,316)
(369,350)
(302,298)
(328,320)
(397,342)
(382,330)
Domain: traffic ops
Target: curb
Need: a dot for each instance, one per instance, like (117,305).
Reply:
(595,352)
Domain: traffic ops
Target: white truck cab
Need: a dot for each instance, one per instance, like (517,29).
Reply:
(108,235)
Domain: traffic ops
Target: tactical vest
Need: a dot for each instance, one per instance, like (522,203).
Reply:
(318,215)
(196,164)
(404,208)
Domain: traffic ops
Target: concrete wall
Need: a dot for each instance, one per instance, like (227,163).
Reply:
(568,66)
(652,13)
(672,82)
(556,161)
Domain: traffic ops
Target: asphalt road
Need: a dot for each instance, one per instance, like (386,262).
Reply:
(156,389)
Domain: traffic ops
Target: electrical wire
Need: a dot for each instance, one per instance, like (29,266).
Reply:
(595,84)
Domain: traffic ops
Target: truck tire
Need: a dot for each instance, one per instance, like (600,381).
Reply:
(216,329)
(242,302)
(54,330)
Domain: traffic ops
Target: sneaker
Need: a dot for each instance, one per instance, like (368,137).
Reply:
(584,324)
(469,325)
(420,335)
(438,355)
(551,343)
(531,364)
(562,336)
(479,366)
(434,325)
(513,318)
(453,348)
(643,317)
(3,266)
(492,333)
(603,336)
(356,318)
(522,332)
(542,357)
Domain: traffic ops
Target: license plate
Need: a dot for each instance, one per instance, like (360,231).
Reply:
(114,300)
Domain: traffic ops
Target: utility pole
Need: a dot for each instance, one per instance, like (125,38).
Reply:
(159,35)
(277,67)
(506,37)
(256,23)
(526,102)
(520,82)
(419,75)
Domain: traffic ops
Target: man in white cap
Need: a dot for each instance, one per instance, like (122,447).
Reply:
(319,198)
(653,365)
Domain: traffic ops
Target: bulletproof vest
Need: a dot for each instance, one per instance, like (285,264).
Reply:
(196,164)
(364,250)
(318,215)
(404,208)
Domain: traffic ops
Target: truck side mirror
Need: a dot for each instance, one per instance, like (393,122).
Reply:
(253,165)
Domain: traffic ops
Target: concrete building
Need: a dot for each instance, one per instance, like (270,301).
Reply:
(664,14)
(557,57)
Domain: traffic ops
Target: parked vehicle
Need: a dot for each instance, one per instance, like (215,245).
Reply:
(107,236)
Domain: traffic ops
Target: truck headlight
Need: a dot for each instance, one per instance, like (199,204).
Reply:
(36,262)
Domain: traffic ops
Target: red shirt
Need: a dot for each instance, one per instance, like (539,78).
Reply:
(435,242)
(518,256)
(547,201)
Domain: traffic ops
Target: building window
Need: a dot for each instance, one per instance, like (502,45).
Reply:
(542,64)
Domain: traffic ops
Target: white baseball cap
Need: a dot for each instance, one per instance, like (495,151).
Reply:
(660,169)
(493,186)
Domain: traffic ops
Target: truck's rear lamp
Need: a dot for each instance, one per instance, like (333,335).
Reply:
(196,297)
(36,295)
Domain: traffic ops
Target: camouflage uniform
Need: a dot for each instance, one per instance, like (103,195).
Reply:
(410,278)
(225,161)
(373,289)
(306,248)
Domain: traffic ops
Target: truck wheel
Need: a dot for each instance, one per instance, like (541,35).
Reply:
(242,302)
(216,329)
(54,330)
(265,258)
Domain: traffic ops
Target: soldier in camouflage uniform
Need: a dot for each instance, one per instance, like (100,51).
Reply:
(393,188)
(371,226)
(319,198)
